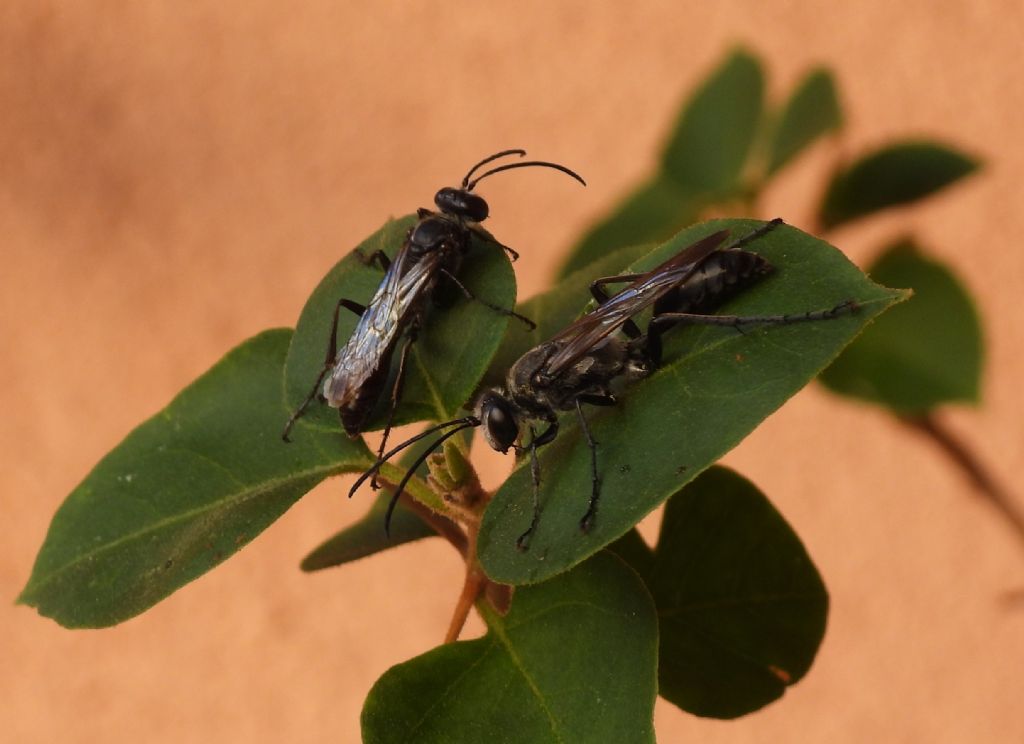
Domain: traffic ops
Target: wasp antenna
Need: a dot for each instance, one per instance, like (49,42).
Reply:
(372,470)
(468,186)
(470,422)
(488,159)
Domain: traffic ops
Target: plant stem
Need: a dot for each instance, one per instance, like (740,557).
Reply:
(472,587)
(465,501)
(476,585)
(471,499)
(441,524)
(983,481)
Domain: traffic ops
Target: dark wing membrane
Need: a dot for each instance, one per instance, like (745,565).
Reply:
(378,329)
(587,332)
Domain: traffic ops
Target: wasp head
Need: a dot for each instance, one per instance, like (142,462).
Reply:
(498,419)
(461,203)
(465,205)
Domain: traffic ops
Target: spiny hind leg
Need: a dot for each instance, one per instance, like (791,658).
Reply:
(740,321)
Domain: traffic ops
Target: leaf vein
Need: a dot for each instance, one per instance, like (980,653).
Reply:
(175,519)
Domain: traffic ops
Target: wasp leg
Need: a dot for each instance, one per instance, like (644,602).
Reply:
(652,344)
(548,435)
(332,350)
(753,235)
(396,395)
(488,238)
(595,482)
(598,291)
(503,310)
(738,321)
(597,287)
(377,257)
(512,254)
(352,306)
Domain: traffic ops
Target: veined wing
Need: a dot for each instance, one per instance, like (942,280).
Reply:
(379,327)
(588,331)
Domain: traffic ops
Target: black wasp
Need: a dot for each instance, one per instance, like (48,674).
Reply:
(433,249)
(579,365)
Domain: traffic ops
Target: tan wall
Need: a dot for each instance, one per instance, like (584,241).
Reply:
(172,181)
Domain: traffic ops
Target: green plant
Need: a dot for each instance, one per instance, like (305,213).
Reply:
(719,617)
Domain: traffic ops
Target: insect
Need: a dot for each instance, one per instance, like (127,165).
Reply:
(353,377)
(579,365)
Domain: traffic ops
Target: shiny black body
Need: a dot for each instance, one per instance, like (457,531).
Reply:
(579,365)
(583,360)
(353,377)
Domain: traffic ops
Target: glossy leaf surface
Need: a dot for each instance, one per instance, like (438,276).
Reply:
(714,387)
(367,536)
(741,607)
(574,660)
(183,492)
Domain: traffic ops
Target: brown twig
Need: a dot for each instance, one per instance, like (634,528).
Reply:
(467,502)
(476,583)
(472,587)
(972,468)
(443,526)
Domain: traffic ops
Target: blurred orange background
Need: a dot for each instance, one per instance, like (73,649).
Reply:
(175,177)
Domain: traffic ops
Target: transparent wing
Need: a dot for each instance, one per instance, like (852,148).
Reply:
(374,337)
(588,331)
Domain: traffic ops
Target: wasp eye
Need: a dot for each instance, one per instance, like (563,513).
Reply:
(499,423)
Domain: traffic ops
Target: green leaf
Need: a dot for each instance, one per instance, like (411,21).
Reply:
(811,112)
(894,175)
(366,537)
(651,213)
(573,661)
(633,550)
(556,308)
(709,147)
(924,353)
(451,352)
(703,163)
(183,492)
(742,608)
(714,387)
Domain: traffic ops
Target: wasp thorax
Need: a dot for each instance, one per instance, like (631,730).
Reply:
(429,234)
(498,421)
(461,203)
